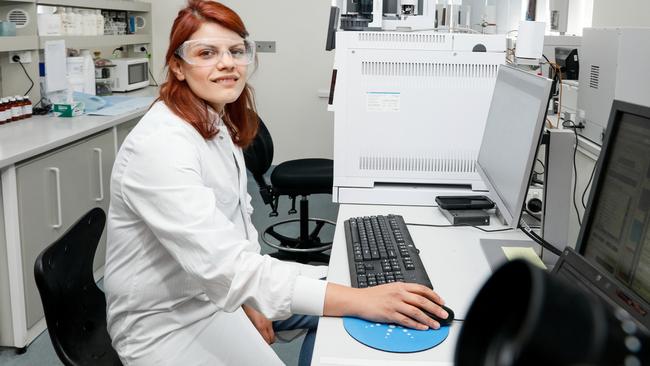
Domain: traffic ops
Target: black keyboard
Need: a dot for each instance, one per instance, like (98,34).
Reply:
(380,250)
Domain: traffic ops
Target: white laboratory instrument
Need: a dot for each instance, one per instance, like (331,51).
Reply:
(613,65)
(372,15)
(559,15)
(409,113)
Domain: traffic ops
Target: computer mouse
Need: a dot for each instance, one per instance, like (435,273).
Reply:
(445,321)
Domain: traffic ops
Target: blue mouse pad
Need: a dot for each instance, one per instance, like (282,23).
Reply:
(393,338)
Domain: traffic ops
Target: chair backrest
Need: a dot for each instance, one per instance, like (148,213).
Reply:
(75,308)
(259,155)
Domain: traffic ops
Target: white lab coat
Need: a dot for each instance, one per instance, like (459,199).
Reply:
(182,254)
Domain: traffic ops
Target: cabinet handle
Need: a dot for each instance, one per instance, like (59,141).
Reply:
(101,175)
(57,175)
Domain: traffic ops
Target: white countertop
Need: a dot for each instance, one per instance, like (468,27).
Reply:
(29,137)
(455,263)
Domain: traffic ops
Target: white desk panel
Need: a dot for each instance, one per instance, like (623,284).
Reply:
(455,264)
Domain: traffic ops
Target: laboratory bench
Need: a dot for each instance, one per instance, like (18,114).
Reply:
(457,267)
(53,170)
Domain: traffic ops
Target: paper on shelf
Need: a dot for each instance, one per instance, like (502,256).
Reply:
(55,66)
(528,254)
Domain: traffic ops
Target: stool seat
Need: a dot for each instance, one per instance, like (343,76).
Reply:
(303,177)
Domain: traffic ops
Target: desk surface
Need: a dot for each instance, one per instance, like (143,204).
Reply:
(455,264)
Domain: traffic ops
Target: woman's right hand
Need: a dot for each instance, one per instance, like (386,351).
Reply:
(400,303)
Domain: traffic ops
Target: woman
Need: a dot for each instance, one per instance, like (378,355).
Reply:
(185,283)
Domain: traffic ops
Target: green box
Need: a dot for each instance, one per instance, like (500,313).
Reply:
(68,110)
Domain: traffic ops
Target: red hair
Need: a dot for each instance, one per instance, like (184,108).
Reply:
(177,94)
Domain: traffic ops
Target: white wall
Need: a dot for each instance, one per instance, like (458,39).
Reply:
(621,13)
(286,82)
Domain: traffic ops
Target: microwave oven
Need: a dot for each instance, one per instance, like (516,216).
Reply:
(130,74)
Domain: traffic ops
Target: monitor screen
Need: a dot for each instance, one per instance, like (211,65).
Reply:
(615,235)
(511,138)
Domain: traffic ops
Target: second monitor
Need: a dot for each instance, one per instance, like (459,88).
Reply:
(512,135)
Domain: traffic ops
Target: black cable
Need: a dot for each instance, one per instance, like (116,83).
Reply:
(121,49)
(534,178)
(537,239)
(556,76)
(474,226)
(17,59)
(155,83)
(591,178)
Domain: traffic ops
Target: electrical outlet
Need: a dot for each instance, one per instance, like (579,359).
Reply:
(137,48)
(265,46)
(25,57)
(534,200)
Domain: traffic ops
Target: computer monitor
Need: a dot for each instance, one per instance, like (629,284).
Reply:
(615,233)
(511,138)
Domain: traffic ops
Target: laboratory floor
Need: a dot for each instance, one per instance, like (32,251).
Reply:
(41,353)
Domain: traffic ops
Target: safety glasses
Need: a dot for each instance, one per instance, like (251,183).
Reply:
(210,51)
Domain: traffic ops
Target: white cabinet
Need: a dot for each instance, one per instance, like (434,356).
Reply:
(5,311)
(54,191)
(52,171)
(122,130)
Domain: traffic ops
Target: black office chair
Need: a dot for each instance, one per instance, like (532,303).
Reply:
(75,308)
(293,178)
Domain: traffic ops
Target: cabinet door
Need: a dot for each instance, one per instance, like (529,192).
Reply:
(54,191)
(123,130)
(6,330)
(100,152)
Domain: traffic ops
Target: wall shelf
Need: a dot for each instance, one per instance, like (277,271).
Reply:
(97,41)
(123,5)
(7,2)
(18,43)
(13,77)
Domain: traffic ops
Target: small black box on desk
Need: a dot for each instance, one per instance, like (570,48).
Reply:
(467,217)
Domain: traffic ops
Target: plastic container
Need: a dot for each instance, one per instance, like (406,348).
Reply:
(49,24)
(99,19)
(63,18)
(89,23)
(67,19)
(75,66)
(7,29)
(77,21)
(88,72)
